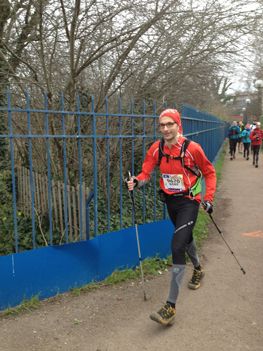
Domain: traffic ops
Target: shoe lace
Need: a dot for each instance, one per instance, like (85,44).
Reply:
(196,276)
(166,311)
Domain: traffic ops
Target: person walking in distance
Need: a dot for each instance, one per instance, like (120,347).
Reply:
(233,135)
(256,136)
(254,124)
(240,141)
(246,141)
(182,163)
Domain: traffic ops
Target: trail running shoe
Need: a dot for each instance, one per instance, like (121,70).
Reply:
(195,280)
(165,316)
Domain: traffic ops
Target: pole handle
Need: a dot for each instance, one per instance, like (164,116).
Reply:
(130,177)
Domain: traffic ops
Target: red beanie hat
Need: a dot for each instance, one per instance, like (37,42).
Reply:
(174,114)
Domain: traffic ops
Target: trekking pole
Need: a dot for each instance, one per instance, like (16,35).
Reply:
(242,269)
(138,242)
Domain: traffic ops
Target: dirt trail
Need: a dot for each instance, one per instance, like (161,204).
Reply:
(226,313)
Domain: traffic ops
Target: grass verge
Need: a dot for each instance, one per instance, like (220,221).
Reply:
(25,306)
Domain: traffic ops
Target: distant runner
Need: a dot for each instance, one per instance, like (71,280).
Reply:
(246,141)
(233,135)
(256,137)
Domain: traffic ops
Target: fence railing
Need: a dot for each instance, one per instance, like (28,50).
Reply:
(91,148)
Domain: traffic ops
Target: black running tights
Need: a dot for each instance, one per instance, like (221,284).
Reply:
(233,145)
(183,213)
(256,149)
(246,149)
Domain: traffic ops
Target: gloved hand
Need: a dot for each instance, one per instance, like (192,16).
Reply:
(135,182)
(257,137)
(207,206)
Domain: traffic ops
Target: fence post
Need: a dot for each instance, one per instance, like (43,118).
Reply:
(80,168)
(95,183)
(12,168)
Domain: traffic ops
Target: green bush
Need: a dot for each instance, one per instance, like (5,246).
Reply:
(24,224)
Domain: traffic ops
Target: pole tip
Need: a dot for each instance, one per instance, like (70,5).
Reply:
(242,269)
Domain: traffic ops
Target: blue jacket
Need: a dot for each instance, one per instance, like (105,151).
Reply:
(234,132)
(245,135)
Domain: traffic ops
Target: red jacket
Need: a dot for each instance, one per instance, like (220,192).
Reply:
(255,136)
(194,155)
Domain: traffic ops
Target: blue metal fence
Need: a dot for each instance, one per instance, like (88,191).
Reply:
(133,133)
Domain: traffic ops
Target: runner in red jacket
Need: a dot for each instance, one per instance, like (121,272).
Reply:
(256,136)
(180,170)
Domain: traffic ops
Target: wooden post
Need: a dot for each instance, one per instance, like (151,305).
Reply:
(69,213)
(74,213)
(60,209)
(54,204)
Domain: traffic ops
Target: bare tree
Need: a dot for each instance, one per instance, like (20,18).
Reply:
(170,50)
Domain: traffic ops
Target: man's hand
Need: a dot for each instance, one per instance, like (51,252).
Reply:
(131,183)
(207,207)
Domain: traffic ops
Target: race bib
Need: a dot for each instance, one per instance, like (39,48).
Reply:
(173,182)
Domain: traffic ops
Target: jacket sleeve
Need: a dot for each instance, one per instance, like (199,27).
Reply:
(252,135)
(149,165)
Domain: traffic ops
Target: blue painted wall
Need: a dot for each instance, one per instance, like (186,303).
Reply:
(49,270)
